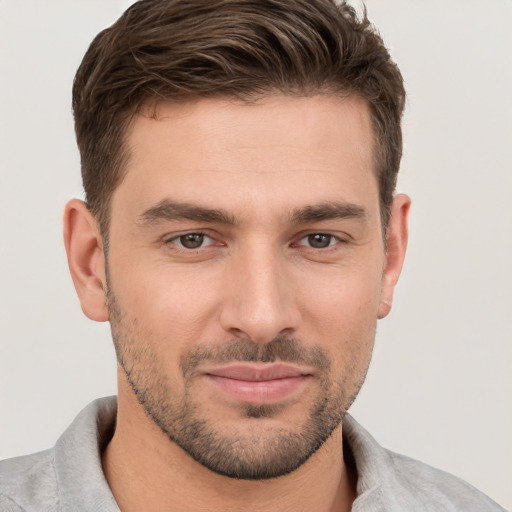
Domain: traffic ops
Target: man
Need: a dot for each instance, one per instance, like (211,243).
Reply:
(242,237)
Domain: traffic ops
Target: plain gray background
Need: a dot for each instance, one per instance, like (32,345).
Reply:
(440,385)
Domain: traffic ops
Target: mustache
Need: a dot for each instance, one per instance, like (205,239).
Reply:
(281,348)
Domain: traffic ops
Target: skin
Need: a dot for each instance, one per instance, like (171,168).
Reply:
(259,164)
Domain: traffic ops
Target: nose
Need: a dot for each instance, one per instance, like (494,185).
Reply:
(259,300)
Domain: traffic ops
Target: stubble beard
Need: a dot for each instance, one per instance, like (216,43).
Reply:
(258,450)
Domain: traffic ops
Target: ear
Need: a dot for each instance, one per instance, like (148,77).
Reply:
(396,245)
(84,248)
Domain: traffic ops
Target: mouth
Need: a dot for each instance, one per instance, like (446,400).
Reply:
(259,384)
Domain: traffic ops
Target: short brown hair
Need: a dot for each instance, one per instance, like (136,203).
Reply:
(181,50)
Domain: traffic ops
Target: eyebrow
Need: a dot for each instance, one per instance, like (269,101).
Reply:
(327,211)
(167,210)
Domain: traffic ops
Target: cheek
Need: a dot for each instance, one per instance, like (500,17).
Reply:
(341,315)
(344,296)
(174,306)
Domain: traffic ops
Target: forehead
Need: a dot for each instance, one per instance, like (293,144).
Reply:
(278,151)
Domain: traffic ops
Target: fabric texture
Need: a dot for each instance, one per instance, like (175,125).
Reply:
(69,477)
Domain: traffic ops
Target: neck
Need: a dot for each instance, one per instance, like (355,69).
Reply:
(146,471)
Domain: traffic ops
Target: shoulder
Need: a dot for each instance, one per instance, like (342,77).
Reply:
(390,481)
(28,483)
(67,477)
(435,489)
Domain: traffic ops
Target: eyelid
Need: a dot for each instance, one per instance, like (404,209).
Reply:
(333,238)
(174,239)
(211,239)
(339,238)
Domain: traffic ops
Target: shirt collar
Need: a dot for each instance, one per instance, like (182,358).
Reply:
(78,451)
(83,485)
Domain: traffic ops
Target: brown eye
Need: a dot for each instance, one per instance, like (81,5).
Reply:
(191,240)
(320,240)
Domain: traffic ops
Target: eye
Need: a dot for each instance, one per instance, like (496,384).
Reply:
(191,240)
(319,240)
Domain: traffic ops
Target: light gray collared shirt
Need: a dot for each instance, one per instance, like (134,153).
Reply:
(69,477)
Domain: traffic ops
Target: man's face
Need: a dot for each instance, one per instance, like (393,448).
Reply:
(245,271)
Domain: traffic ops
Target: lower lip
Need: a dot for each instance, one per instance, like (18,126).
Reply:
(259,392)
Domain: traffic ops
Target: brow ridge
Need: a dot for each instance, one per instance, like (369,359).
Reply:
(168,210)
(327,211)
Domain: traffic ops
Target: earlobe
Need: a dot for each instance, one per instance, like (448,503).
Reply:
(84,248)
(396,245)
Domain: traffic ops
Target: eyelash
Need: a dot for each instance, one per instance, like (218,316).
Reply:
(333,240)
(177,240)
